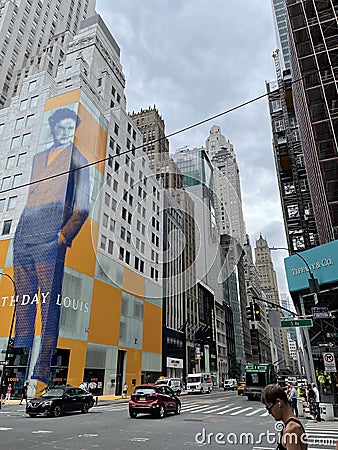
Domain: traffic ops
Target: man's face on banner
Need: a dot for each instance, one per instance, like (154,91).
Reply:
(63,132)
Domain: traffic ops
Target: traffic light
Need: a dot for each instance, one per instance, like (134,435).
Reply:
(257,312)
(250,311)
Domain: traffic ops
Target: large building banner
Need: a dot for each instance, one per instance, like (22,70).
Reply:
(62,188)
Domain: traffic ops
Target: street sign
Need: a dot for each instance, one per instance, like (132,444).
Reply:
(325,344)
(329,362)
(321,313)
(287,323)
(332,335)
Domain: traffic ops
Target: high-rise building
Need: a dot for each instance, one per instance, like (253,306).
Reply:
(29,28)
(268,280)
(77,200)
(312,27)
(231,226)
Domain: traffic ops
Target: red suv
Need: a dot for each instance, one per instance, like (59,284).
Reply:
(153,399)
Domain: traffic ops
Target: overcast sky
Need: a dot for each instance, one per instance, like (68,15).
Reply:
(194,59)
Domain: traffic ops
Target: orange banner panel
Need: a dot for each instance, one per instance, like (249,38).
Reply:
(133,366)
(104,324)
(3,251)
(133,283)
(152,328)
(81,256)
(63,99)
(77,361)
(91,138)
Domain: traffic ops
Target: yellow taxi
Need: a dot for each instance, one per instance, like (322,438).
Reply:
(241,388)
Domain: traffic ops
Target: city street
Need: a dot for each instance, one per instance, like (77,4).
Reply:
(221,418)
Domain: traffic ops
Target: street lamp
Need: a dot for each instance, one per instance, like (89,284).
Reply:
(9,336)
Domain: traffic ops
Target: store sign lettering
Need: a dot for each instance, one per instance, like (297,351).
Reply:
(325,262)
(25,299)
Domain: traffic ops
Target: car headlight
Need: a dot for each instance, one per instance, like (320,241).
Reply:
(46,403)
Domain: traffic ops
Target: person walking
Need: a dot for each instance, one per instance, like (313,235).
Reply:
(316,391)
(293,435)
(8,393)
(311,398)
(125,390)
(321,381)
(24,393)
(293,400)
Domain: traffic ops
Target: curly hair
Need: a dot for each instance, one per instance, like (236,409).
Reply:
(61,114)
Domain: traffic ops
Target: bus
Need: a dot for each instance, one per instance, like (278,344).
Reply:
(257,376)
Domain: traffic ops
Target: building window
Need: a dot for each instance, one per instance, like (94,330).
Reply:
(32,86)
(23,104)
(11,203)
(26,139)
(15,142)
(6,229)
(10,162)
(110,247)
(116,129)
(112,225)
(19,123)
(17,180)
(105,220)
(34,101)
(6,182)
(103,242)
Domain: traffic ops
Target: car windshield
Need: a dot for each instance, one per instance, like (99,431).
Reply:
(194,379)
(53,393)
(144,391)
(161,382)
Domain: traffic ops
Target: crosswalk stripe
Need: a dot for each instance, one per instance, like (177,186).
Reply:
(200,409)
(228,410)
(241,411)
(195,408)
(218,409)
(264,414)
(256,411)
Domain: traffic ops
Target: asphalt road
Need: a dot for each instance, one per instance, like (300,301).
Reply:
(221,419)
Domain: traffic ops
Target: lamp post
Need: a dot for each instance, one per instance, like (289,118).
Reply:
(313,285)
(9,336)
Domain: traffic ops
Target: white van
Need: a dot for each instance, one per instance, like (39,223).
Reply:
(173,383)
(199,382)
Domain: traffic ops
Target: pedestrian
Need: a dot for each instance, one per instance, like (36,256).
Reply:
(24,393)
(293,435)
(316,391)
(125,390)
(328,383)
(321,381)
(311,398)
(293,400)
(8,393)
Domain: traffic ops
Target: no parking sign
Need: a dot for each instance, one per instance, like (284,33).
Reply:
(329,362)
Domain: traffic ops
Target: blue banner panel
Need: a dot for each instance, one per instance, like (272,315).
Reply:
(321,261)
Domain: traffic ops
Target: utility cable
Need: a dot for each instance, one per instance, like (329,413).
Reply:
(182,130)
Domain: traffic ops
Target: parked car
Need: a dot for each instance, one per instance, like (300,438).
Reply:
(173,383)
(230,385)
(153,399)
(59,400)
(241,388)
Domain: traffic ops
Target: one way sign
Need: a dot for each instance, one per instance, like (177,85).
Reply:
(329,362)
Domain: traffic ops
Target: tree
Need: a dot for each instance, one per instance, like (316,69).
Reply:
(234,366)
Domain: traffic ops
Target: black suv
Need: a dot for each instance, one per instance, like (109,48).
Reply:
(59,400)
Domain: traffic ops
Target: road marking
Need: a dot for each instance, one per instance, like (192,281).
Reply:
(139,439)
(255,412)
(241,411)
(5,429)
(217,409)
(228,410)
(265,414)
(196,408)
(41,432)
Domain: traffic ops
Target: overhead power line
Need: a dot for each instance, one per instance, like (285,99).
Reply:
(174,133)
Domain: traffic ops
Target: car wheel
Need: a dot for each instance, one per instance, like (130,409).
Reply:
(133,414)
(178,409)
(202,391)
(85,408)
(32,415)
(161,412)
(56,411)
